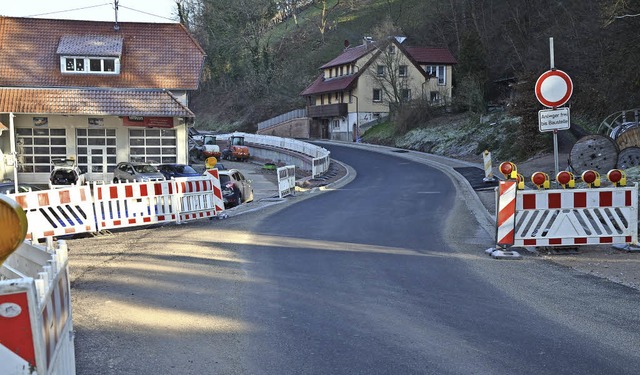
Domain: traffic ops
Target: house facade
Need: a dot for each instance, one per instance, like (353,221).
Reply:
(365,82)
(99,92)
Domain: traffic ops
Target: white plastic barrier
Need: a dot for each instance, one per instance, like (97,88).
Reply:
(286,180)
(36,329)
(57,212)
(131,204)
(570,217)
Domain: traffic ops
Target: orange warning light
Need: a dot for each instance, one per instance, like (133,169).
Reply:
(509,170)
(566,179)
(541,180)
(617,177)
(591,178)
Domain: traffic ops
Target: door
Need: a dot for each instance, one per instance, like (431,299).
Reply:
(97,164)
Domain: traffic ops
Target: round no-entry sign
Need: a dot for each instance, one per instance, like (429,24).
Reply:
(554,88)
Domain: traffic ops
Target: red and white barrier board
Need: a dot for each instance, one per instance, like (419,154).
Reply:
(571,217)
(57,212)
(36,330)
(217,191)
(194,198)
(132,204)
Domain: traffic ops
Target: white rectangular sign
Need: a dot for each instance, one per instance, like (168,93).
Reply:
(554,119)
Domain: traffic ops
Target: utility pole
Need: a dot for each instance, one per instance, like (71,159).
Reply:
(115,7)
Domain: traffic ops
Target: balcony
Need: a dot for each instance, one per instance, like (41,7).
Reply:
(328,110)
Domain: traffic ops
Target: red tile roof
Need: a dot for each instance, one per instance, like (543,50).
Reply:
(100,102)
(321,86)
(349,55)
(425,55)
(155,55)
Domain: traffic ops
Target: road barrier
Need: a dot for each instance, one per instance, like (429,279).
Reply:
(57,212)
(565,217)
(85,209)
(286,180)
(36,329)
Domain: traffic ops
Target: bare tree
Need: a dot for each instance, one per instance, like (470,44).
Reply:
(325,10)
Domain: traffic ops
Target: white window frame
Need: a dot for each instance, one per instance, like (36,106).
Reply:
(380,70)
(36,147)
(403,71)
(86,69)
(379,96)
(438,71)
(153,145)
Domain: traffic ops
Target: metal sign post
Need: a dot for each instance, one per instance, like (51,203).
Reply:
(553,89)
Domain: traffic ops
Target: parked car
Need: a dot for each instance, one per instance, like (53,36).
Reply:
(65,172)
(170,171)
(236,189)
(8,187)
(132,171)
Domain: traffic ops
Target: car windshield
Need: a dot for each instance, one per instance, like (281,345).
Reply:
(185,169)
(224,179)
(145,168)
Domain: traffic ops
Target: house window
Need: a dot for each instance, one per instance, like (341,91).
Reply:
(380,70)
(377,95)
(93,65)
(103,138)
(438,71)
(392,49)
(342,70)
(156,146)
(36,147)
(405,95)
(402,70)
(335,124)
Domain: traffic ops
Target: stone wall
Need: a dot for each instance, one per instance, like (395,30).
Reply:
(299,128)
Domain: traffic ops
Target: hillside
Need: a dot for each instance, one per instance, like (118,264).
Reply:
(260,57)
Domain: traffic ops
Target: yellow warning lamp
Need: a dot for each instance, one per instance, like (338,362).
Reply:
(617,177)
(509,170)
(591,178)
(13,220)
(520,180)
(210,162)
(541,180)
(566,179)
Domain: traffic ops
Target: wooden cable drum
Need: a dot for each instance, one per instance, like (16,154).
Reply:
(628,158)
(595,152)
(629,138)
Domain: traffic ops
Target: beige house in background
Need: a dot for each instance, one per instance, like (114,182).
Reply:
(364,83)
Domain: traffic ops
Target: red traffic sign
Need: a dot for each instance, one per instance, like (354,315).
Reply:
(554,88)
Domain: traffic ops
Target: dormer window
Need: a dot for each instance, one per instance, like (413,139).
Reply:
(92,54)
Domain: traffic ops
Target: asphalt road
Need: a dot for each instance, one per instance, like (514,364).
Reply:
(386,275)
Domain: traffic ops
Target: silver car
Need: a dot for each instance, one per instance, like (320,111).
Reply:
(141,172)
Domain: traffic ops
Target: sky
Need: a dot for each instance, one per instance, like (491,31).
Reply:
(94,10)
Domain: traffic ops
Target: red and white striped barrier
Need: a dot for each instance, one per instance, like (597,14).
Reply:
(577,217)
(217,190)
(194,198)
(57,212)
(131,204)
(36,329)
(506,217)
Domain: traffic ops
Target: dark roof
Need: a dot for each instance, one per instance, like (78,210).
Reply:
(155,55)
(349,55)
(424,55)
(321,85)
(90,45)
(98,102)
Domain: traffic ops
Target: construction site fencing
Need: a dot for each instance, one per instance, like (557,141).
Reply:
(88,209)
(36,329)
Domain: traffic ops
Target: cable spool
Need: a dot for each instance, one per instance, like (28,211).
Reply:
(596,152)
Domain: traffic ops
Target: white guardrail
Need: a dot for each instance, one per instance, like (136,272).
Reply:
(320,156)
(36,329)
